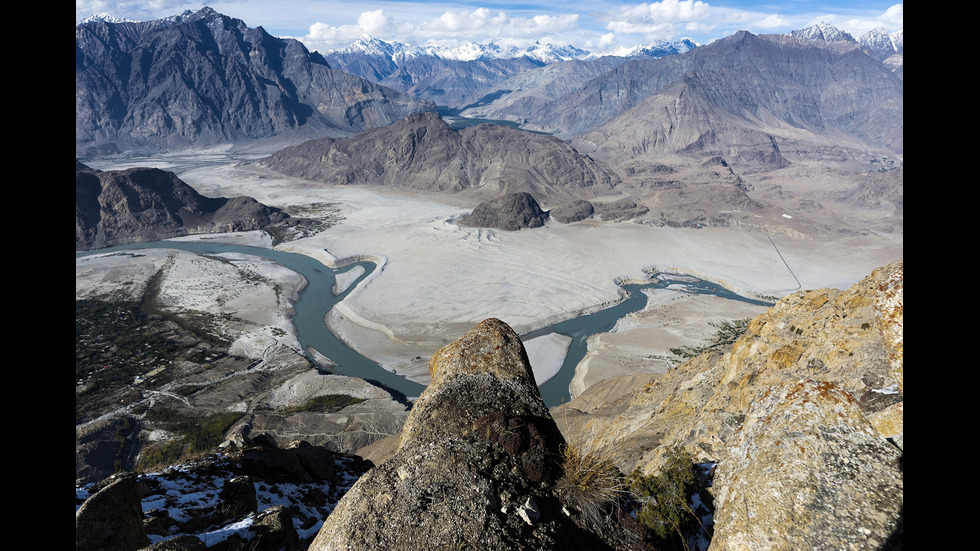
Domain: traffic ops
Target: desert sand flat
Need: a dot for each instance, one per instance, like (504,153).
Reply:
(437,279)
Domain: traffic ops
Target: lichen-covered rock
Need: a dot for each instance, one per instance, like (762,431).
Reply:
(808,471)
(889,307)
(830,335)
(478,466)
(804,417)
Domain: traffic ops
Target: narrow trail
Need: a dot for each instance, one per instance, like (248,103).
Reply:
(790,270)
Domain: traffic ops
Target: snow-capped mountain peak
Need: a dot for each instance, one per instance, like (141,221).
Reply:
(105,17)
(822,31)
(544,52)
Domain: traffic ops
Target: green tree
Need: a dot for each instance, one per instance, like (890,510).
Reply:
(665,497)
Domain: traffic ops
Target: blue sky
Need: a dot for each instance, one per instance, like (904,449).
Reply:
(592,24)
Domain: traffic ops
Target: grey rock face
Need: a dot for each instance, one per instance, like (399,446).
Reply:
(476,468)
(808,471)
(148,204)
(203,78)
(511,212)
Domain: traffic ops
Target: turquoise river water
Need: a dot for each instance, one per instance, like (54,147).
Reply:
(317,298)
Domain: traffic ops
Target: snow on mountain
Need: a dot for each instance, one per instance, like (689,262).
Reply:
(877,42)
(897,40)
(106,17)
(822,31)
(471,51)
(656,49)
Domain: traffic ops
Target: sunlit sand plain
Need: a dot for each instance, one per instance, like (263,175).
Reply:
(438,279)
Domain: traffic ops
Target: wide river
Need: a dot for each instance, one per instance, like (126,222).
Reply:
(317,298)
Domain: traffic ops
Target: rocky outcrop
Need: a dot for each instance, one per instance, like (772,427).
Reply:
(200,79)
(803,416)
(422,152)
(511,212)
(104,446)
(116,207)
(572,212)
(477,467)
(222,500)
(620,210)
(808,471)
(111,519)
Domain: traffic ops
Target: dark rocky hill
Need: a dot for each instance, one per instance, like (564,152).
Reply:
(422,152)
(203,78)
(148,204)
(510,212)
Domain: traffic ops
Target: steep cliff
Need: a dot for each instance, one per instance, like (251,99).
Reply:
(803,417)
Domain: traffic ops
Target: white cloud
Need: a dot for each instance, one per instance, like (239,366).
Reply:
(774,21)
(460,25)
(375,22)
(893,16)
(659,20)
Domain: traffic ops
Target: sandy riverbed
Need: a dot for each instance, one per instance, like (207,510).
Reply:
(438,279)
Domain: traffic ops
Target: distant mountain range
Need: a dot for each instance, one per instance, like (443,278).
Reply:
(877,43)
(654,124)
(200,79)
(471,51)
(460,76)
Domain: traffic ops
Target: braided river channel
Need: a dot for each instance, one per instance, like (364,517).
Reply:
(317,298)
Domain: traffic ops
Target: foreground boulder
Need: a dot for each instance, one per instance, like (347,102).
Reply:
(112,520)
(478,466)
(808,471)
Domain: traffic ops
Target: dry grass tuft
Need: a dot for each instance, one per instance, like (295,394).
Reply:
(592,484)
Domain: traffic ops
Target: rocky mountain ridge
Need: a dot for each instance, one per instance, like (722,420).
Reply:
(117,207)
(878,42)
(768,85)
(202,79)
(422,152)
